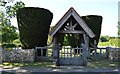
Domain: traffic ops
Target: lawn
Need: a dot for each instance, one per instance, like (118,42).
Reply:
(93,64)
(105,63)
(25,64)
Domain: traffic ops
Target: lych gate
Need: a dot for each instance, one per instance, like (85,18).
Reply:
(71,39)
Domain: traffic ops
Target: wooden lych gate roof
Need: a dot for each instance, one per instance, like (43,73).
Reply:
(81,22)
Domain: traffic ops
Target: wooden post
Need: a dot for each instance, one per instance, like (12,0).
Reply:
(1,55)
(71,53)
(85,50)
(95,43)
(107,52)
(84,56)
(55,48)
(86,40)
(88,49)
(100,51)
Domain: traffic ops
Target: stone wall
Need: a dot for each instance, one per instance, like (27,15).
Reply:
(18,55)
(114,54)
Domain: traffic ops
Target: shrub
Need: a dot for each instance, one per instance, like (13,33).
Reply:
(33,24)
(94,22)
(8,45)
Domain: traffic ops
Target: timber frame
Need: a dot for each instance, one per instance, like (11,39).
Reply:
(72,23)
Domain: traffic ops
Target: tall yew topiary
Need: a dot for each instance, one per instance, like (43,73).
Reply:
(95,24)
(33,24)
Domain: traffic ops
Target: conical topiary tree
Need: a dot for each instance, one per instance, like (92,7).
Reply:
(33,24)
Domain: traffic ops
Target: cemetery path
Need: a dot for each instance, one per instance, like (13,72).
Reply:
(61,70)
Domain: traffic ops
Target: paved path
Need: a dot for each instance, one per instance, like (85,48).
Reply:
(61,70)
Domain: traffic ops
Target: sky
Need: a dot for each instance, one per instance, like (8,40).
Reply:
(119,11)
(108,9)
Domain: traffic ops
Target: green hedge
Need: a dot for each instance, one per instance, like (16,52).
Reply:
(95,23)
(33,24)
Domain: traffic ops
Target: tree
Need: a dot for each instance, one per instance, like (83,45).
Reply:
(33,24)
(8,31)
(104,38)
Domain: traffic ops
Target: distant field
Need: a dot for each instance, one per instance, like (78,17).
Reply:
(103,44)
(107,44)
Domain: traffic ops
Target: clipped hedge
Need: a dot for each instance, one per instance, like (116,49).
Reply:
(33,24)
(95,23)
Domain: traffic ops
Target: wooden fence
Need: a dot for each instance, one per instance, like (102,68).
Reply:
(42,50)
(100,53)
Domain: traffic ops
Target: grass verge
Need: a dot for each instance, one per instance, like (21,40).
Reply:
(25,64)
(103,64)
(92,64)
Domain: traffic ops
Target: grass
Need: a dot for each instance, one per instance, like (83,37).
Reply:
(103,44)
(103,64)
(34,64)
(93,64)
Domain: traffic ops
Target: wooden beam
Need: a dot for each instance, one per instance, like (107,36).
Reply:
(61,22)
(83,24)
(71,31)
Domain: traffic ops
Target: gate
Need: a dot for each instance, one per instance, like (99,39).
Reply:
(43,53)
(70,56)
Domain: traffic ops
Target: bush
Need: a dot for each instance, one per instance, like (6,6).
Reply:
(33,24)
(94,22)
(8,45)
(103,39)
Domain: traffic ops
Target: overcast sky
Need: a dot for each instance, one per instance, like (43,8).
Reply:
(106,8)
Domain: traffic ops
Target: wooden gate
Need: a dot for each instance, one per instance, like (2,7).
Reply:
(70,56)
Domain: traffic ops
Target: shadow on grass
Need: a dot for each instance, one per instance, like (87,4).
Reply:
(92,64)
(26,64)
(103,64)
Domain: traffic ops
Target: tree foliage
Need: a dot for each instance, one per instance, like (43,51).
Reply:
(95,24)
(8,31)
(104,38)
(113,41)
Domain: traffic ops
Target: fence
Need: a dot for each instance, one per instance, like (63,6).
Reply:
(28,55)
(70,56)
(43,53)
(106,53)
(99,53)
(69,52)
